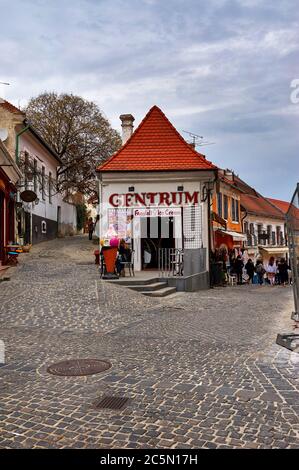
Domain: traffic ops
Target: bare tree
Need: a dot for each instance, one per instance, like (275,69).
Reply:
(79,133)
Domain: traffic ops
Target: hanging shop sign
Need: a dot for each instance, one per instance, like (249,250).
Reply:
(157,212)
(154,199)
(28,196)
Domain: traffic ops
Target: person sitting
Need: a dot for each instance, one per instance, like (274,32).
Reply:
(121,258)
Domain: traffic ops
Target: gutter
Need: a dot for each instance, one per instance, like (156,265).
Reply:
(18,135)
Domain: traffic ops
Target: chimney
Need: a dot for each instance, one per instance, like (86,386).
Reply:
(127,126)
(229,174)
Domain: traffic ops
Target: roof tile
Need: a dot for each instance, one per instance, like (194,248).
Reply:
(156,145)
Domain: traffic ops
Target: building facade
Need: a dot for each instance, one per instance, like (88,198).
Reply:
(263,225)
(155,193)
(49,213)
(226,215)
(10,174)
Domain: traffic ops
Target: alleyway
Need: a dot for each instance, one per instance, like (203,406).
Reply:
(201,369)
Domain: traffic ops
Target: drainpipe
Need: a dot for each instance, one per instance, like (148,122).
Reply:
(18,135)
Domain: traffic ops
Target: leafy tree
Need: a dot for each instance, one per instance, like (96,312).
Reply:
(79,133)
(81,216)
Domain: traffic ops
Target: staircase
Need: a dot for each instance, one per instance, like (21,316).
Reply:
(154,287)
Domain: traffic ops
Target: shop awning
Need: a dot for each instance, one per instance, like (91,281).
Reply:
(235,235)
(274,250)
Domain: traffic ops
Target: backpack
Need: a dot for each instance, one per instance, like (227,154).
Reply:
(260,269)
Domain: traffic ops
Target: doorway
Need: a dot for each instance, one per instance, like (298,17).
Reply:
(156,233)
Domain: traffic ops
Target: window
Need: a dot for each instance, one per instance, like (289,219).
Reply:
(273,238)
(269,231)
(246,228)
(235,210)
(278,235)
(219,203)
(26,169)
(225,207)
(43,183)
(50,187)
(35,176)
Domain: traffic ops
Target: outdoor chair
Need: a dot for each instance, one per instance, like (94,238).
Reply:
(232,279)
(129,263)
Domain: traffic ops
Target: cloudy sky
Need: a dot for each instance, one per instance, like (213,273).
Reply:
(218,68)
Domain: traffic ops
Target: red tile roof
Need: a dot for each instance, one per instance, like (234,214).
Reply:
(282,205)
(156,146)
(10,107)
(259,205)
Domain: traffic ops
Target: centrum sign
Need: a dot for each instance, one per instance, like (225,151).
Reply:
(154,199)
(157,212)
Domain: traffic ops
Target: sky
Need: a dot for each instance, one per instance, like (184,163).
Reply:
(221,69)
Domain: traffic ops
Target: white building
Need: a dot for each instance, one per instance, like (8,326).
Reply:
(155,193)
(49,213)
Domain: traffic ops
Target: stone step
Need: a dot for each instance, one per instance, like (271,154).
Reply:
(148,287)
(132,281)
(161,292)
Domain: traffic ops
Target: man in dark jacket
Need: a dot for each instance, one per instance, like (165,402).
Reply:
(238,268)
(249,266)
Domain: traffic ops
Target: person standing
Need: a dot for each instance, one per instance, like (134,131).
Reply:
(249,266)
(271,271)
(238,268)
(260,271)
(90,228)
(283,272)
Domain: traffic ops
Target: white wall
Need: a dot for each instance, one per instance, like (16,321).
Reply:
(45,208)
(159,183)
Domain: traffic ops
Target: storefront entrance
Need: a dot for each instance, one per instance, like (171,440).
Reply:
(156,233)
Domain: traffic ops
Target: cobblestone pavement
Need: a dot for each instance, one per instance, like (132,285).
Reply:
(201,369)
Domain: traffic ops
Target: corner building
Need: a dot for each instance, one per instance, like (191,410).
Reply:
(155,193)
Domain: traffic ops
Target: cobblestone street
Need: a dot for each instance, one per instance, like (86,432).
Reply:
(202,369)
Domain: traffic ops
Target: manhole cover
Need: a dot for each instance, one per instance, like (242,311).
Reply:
(111,403)
(76,367)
